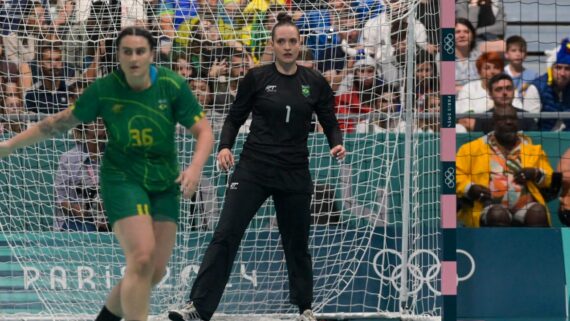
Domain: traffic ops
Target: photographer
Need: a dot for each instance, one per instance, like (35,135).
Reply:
(78,205)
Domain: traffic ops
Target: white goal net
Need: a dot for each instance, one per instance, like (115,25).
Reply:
(375,238)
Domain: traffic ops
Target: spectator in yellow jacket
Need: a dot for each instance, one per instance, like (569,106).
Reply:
(499,177)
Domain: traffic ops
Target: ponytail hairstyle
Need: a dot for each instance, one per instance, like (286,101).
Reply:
(283,19)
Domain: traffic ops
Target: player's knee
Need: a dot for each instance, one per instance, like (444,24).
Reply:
(142,262)
(496,216)
(536,216)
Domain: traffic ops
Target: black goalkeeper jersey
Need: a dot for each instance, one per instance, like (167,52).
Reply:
(282,107)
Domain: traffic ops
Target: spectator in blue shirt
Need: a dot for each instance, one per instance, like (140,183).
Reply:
(50,94)
(516,55)
(552,90)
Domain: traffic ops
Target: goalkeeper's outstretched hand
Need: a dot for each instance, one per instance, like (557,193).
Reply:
(5,149)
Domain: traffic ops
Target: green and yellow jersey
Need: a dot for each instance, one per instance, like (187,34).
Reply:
(140,125)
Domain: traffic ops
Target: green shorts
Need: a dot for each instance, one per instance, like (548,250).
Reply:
(126,198)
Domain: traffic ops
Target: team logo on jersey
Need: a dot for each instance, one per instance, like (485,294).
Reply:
(271,88)
(117,108)
(162,104)
(306,90)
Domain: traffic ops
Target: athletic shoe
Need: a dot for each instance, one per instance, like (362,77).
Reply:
(306,316)
(186,313)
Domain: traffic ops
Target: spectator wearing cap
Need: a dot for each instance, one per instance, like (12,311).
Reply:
(362,63)
(552,90)
(357,100)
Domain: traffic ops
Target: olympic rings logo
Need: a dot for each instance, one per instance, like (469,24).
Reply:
(416,270)
(471,263)
(449,177)
(448,43)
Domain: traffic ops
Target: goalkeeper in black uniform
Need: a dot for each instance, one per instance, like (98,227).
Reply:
(274,162)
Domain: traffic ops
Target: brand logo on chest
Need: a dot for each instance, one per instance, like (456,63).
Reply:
(271,88)
(306,90)
(162,104)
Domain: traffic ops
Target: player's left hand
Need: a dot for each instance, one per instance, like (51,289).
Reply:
(338,152)
(189,180)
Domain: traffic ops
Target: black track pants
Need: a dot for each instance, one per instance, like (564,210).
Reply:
(241,203)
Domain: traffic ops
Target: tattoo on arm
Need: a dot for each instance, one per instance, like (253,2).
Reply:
(58,123)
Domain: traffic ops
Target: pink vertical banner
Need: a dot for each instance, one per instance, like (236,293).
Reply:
(447,146)
(449,278)
(448,211)
(448,78)
(447,11)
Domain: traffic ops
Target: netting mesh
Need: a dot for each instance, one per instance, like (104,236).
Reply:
(375,237)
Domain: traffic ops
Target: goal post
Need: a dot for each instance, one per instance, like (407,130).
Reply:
(375,238)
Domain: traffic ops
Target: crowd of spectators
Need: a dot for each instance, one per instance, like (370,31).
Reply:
(50,50)
(503,177)
(483,52)
(359,46)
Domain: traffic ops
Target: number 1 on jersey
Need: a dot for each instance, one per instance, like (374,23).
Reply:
(288,113)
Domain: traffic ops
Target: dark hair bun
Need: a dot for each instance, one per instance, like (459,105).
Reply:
(283,17)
